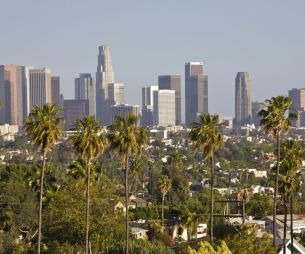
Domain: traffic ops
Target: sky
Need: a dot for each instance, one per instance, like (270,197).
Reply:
(148,38)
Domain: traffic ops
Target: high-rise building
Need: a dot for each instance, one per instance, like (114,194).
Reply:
(243,99)
(11,94)
(298,105)
(116,93)
(196,92)
(74,110)
(104,77)
(147,105)
(124,110)
(40,87)
(85,90)
(172,82)
(164,113)
(55,90)
(256,107)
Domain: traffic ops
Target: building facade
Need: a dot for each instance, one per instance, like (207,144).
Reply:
(243,99)
(164,113)
(172,82)
(116,93)
(147,105)
(55,90)
(12,87)
(298,104)
(74,110)
(256,107)
(104,77)
(124,110)
(196,92)
(85,90)
(40,87)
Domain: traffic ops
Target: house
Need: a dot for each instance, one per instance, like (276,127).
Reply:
(297,247)
(137,202)
(139,233)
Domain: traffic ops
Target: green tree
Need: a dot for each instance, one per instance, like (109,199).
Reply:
(190,221)
(89,142)
(206,248)
(276,122)
(127,139)
(289,182)
(164,184)
(43,127)
(206,137)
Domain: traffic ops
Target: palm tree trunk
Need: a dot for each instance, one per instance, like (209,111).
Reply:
(278,140)
(40,202)
(87,206)
(212,200)
(291,221)
(244,210)
(162,211)
(285,226)
(126,200)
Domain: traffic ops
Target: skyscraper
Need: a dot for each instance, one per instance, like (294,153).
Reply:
(196,92)
(256,107)
(85,90)
(298,104)
(116,93)
(55,90)
(11,94)
(164,113)
(147,105)
(243,99)
(172,82)
(40,87)
(104,77)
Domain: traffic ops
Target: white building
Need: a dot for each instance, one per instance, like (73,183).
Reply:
(164,111)
(123,110)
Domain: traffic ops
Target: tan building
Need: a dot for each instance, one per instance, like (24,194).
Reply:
(11,94)
(55,90)
(298,103)
(40,87)
(243,99)
(116,93)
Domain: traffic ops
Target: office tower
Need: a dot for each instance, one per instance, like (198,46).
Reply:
(172,82)
(116,94)
(147,105)
(11,94)
(196,92)
(243,99)
(256,107)
(298,105)
(164,113)
(104,77)
(55,90)
(74,110)
(123,110)
(85,90)
(40,87)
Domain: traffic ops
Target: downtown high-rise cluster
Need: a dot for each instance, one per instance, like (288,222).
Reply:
(22,87)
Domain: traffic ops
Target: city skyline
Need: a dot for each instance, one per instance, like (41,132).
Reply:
(233,39)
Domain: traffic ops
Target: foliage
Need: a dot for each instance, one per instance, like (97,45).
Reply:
(206,248)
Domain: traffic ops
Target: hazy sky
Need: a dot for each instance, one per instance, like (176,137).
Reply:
(149,38)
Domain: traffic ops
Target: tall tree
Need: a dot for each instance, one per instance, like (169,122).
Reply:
(164,185)
(205,136)
(43,126)
(293,152)
(127,139)
(276,122)
(89,142)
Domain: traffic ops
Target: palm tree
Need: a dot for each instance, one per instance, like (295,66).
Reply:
(43,127)
(127,139)
(276,122)
(293,152)
(135,170)
(164,184)
(190,221)
(89,142)
(288,183)
(206,137)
